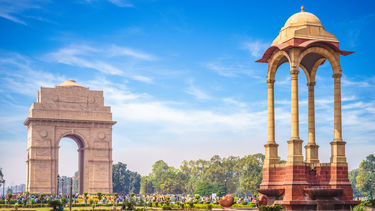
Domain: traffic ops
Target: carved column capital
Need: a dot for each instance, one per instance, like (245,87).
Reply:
(337,75)
(294,71)
(270,81)
(311,84)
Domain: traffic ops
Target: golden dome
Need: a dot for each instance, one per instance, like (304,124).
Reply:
(69,83)
(303,25)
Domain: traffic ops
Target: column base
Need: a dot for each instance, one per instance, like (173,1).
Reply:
(295,156)
(312,153)
(338,152)
(271,155)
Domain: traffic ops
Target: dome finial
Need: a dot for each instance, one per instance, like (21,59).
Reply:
(302,8)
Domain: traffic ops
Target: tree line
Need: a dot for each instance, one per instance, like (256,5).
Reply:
(235,175)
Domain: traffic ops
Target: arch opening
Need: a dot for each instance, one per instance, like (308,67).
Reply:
(323,107)
(282,99)
(70,164)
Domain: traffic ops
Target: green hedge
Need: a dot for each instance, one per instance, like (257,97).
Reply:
(250,205)
(270,208)
(369,203)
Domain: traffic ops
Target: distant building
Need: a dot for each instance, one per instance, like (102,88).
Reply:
(16,188)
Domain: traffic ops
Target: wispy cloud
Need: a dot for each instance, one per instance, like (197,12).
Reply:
(12,10)
(24,78)
(112,60)
(124,51)
(230,68)
(232,101)
(368,82)
(255,47)
(196,92)
(121,3)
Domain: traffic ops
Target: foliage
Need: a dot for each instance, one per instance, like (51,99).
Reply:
(365,180)
(217,175)
(369,203)
(206,189)
(54,203)
(9,196)
(203,206)
(99,195)
(9,191)
(242,205)
(146,180)
(166,207)
(358,208)
(124,180)
(352,175)
(270,208)
(1,178)
(129,205)
(64,201)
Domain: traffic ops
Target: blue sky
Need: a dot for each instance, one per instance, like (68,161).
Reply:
(179,75)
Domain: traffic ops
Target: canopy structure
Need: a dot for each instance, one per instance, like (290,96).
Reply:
(305,183)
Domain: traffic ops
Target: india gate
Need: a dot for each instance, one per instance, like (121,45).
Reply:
(69,110)
(305,183)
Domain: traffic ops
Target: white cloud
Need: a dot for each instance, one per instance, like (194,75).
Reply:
(124,51)
(351,83)
(234,102)
(256,47)
(13,9)
(232,69)
(121,3)
(196,92)
(101,59)
(24,78)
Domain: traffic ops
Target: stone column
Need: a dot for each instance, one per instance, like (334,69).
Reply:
(337,145)
(311,147)
(271,111)
(271,155)
(295,143)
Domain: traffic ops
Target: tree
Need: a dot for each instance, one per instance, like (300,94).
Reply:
(124,180)
(366,176)
(150,187)
(1,177)
(206,189)
(167,179)
(352,178)
(250,168)
(204,177)
(9,191)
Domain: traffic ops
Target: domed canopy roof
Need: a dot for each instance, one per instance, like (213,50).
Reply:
(302,30)
(303,18)
(69,83)
(303,25)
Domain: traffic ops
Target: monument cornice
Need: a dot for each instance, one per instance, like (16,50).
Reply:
(30,119)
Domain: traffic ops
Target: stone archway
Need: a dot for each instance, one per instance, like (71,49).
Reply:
(69,110)
(81,158)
